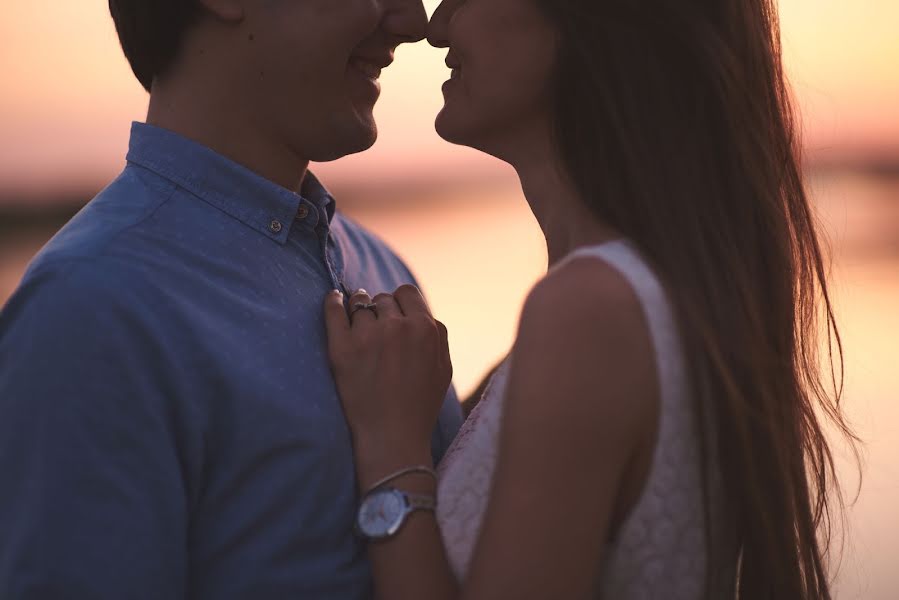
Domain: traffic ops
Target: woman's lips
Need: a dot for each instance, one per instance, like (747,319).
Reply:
(452,61)
(455,78)
(454,65)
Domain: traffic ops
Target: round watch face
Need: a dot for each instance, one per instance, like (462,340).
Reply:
(381,513)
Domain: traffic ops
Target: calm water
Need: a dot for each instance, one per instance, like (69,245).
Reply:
(477,253)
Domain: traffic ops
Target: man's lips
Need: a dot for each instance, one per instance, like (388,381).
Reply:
(370,67)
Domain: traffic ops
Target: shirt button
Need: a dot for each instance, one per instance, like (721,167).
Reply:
(276,226)
(302,212)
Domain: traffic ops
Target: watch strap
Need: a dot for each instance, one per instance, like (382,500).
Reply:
(420,502)
(407,471)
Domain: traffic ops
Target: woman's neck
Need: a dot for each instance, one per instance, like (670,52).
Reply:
(564,217)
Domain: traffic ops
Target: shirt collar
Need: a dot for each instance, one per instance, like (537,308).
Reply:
(255,201)
(315,193)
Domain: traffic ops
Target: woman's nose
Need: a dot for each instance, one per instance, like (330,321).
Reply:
(438,26)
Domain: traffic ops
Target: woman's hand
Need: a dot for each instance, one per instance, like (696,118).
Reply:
(392,369)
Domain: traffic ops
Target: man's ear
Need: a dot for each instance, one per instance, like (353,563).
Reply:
(226,10)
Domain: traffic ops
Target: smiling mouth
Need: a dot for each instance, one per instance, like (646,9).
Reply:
(368,69)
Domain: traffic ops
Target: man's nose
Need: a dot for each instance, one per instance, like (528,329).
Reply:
(405,20)
(438,27)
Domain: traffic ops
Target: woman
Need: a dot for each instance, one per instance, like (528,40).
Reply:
(656,431)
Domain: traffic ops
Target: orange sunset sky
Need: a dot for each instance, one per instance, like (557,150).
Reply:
(67,96)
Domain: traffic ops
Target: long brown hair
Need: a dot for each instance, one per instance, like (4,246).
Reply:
(674,121)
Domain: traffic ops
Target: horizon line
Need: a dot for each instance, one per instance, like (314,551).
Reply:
(21,200)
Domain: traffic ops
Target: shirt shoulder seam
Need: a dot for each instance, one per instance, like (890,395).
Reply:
(101,251)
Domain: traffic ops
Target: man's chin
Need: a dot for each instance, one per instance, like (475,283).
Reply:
(351,134)
(347,145)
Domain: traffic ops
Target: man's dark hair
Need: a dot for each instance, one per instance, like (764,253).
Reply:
(151,33)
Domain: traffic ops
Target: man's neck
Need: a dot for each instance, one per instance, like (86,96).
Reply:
(223,129)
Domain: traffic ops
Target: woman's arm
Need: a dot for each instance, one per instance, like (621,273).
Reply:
(582,400)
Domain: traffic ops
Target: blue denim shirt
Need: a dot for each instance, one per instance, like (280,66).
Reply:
(169,427)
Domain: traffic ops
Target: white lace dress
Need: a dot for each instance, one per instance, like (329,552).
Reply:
(660,551)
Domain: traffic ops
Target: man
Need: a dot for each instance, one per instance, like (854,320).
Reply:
(169,427)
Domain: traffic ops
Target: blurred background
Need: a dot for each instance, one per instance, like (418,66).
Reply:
(67,98)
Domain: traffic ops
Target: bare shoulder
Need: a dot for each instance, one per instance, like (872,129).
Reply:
(585,283)
(583,338)
(579,414)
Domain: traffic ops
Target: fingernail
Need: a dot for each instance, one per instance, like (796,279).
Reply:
(361,291)
(337,293)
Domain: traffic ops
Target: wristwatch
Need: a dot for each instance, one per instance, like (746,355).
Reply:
(383,511)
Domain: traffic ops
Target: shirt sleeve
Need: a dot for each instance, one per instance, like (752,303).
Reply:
(448,424)
(93,501)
